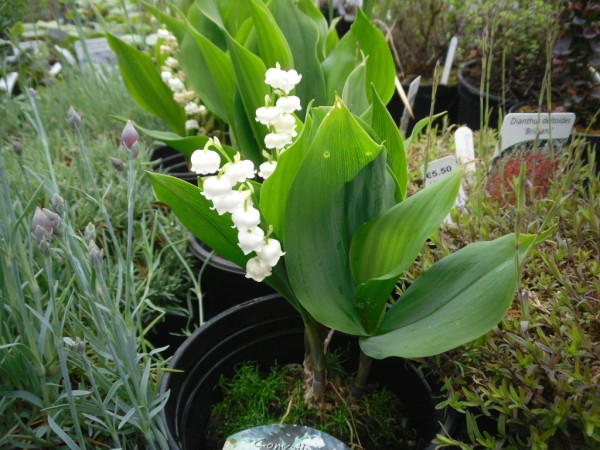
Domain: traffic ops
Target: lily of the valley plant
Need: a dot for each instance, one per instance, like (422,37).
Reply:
(331,229)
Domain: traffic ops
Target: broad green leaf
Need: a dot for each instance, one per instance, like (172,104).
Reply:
(458,299)
(323,211)
(364,38)
(387,130)
(310,9)
(195,213)
(250,80)
(354,94)
(242,133)
(384,247)
(273,47)
(145,86)
(275,189)
(175,26)
(302,34)
(210,71)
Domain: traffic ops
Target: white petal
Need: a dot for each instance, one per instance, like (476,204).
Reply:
(270,252)
(277,140)
(288,104)
(205,161)
(256,270)
(216,186)
(239,171)
(250,239)
(244,218)
(267,169)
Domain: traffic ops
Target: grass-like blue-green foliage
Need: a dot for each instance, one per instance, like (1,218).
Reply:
(76,368)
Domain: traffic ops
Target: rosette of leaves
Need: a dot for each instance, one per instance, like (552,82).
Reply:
(577,60)
(226,47)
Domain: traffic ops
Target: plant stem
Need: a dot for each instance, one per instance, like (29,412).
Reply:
(314,362)
(362,375)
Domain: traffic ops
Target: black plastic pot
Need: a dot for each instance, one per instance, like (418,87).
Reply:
(168,160)
(469,106)
(266,330)
(446,100)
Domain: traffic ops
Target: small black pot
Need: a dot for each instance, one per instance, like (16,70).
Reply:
(446,100)
(469,107)
(266,330)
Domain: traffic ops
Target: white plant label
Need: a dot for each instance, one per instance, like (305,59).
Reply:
(465,149)
(438,169)
(526,127)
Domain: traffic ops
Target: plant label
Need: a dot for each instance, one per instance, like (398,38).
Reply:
(438,168)
(520,128)
(284,437)
(98,50)
(465,149)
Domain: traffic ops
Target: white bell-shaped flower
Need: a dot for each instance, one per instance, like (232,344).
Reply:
(277,140)
(267,169)
(191,108)
(176,84)
(239,171)
(284,80)
(205,161)
(166,76)
(171,62)
(244,218)
(268,115)
(286,125)
(257,270)
(229,202)
(216,186)
(270,252)
(288,104)
(191,124)
(250,239)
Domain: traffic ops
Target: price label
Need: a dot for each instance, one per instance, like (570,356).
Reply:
(439,168)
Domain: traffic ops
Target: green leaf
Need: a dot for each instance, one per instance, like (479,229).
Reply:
(273,47)
(363,38)
(145,86)
(195,213)
(324,209)
(275,189)
(458,299)
(355,90)
(210,71)
(301,31)
(250,80)
(387,130)
(384,247)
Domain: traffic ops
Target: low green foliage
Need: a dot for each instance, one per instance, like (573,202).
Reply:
(252,398)
(532,382)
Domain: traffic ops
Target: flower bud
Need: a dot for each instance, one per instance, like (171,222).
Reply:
(59,205)
(74,117)
(130,139)
(44,224)
(117,163)
(89,233)
(94,253)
